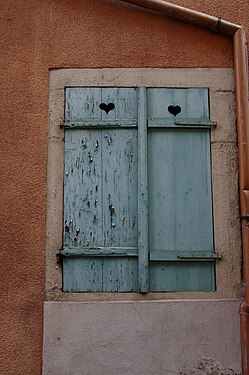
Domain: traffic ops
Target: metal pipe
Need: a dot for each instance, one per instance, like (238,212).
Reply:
(187,15)
(241,78)
(244,334)
(240,62)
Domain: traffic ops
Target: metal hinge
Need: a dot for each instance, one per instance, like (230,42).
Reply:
(174,256)
(99,251)
(196,122)
(199,256)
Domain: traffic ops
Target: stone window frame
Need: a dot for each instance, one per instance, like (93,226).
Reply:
(224,160)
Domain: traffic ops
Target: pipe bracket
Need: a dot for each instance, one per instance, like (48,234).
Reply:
(217,26)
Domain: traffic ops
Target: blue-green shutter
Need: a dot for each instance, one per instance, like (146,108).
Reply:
(100,190)
(137,191)
(180,198)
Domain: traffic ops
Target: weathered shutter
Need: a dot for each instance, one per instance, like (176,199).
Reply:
(127,229)
(100,190)
(180,198)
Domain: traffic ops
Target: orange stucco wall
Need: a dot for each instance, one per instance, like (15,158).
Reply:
(38,35)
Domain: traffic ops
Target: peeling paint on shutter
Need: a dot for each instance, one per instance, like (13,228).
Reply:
(119,234)
(100,193)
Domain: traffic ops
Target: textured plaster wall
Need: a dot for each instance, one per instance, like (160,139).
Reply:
(142,338)
(36,36)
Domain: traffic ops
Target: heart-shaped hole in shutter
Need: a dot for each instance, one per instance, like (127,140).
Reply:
(174,109)
(106,107)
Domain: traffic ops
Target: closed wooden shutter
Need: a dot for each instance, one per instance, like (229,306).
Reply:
(180,198)
(137,191)
(100,193)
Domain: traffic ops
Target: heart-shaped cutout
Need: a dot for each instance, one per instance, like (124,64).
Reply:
(174,109)
(106,107)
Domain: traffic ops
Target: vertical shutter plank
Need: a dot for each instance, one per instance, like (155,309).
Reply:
(180,206)
(82,275)
(158,102)
(82,104)
(120,274)
(82,188)
(184,277)
(197,104)
(125,101)
(119,175)
(179,97)
(142,193)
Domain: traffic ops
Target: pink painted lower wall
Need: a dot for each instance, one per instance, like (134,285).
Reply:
(142,338)
(37,36)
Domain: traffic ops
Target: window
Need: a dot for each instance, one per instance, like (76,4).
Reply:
(137,190)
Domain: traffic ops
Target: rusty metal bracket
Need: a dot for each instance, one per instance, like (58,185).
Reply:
(199,256)
(99,251)
(217,26)
(193,122)
(174,256)
(78,124)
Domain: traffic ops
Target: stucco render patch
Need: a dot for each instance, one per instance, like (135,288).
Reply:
(209,366)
